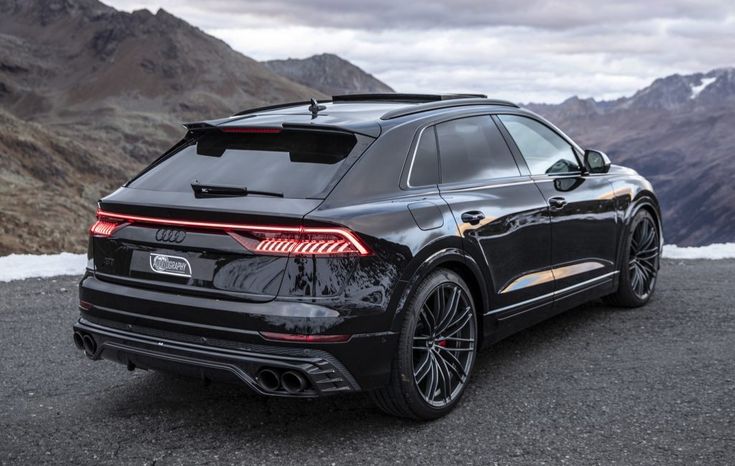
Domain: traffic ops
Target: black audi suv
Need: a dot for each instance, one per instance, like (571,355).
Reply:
(366,243)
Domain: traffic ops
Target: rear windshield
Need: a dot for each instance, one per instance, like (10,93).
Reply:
(297,164)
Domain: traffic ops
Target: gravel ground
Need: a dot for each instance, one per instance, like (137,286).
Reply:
(595,385)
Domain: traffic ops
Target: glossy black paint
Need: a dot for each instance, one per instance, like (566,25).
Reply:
(530,225)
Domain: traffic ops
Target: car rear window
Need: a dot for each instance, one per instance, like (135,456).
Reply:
(297,164)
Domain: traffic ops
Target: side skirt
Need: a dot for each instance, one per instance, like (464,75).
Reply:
(501,323)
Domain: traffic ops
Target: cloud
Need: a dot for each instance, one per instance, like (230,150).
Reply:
(439,14)
(536,50)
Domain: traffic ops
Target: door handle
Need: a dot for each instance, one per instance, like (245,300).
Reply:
(557,202)
(473,217)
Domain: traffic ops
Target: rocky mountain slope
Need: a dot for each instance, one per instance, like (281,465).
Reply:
(89,94)
(329,74)
(678,132)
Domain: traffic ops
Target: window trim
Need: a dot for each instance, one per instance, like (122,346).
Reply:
(405,179)
(576,150)
(413,158)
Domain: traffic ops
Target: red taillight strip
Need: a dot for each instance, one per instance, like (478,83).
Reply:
(275,336)
(195,224)
(344,233)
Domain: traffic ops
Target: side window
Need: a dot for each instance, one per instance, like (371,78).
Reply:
(425,168)
(545,152)
(473,149)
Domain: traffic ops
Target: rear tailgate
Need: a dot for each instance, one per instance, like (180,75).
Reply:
(170,245)
(159,232)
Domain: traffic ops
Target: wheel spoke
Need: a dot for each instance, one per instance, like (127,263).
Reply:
(468,340)
(452,362)
(438,305)
(434,378)
(450,309)
(423,369)
(458,325)
(428,319)
(441,366)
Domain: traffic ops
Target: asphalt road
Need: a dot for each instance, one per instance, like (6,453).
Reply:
(595,385)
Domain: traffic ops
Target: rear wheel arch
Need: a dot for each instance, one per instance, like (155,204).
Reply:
(453,259)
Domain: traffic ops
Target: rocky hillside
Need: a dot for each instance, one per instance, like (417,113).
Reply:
(329,74)
(89,94)
(679,132)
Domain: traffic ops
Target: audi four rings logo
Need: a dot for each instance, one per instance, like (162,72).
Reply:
(170,235)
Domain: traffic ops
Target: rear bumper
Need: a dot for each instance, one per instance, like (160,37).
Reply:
(221,341)
(325,375)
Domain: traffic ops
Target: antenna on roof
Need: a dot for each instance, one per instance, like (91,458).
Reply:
(315,108)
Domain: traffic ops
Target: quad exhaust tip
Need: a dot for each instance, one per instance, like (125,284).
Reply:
(269,380)
(293,382)
(274,380)
(89,345)
(78,341)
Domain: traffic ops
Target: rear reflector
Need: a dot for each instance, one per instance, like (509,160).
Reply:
(274,336)
(263,239)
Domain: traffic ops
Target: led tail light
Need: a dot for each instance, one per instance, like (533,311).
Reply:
(304,242)
(104,227)
(260,239)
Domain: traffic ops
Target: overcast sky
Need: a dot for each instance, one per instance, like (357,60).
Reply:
(524,50)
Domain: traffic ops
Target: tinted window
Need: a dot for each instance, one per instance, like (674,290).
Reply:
(545,151)
(298,164)
(473,149)
(425,168)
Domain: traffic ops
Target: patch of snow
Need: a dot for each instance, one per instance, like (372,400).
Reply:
(700,87)
(712,251)
(20,266)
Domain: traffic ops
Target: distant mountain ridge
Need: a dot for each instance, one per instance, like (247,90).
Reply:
(680,133)
(329,74)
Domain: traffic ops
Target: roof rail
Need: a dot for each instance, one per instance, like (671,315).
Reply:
(436,105)
(397,97)
(277,106)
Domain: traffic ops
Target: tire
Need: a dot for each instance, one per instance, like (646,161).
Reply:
(639,269)
(444,353)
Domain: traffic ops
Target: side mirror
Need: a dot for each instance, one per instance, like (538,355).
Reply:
(596,161)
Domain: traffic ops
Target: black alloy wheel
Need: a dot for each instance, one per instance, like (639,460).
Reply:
(639,271)
(436,351)
(443,344)
(643,258)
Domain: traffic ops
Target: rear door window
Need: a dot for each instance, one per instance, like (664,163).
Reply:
(297,164)
(473,149)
